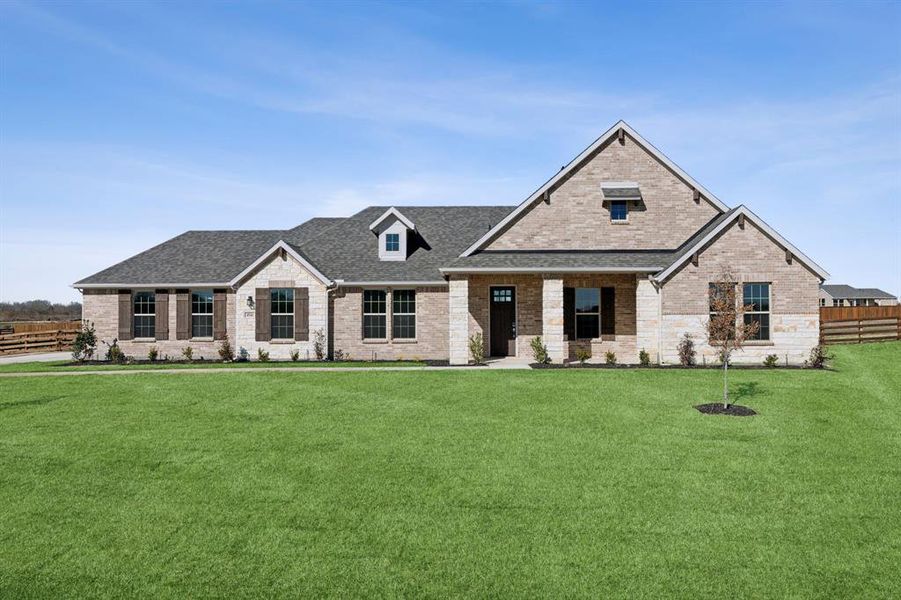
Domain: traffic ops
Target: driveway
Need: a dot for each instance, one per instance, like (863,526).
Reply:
(36,357)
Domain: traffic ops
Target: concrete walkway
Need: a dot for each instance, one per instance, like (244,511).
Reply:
(37,357)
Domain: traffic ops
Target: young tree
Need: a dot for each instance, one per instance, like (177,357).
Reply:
(726,327)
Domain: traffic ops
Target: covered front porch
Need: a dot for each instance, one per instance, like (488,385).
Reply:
(597,311)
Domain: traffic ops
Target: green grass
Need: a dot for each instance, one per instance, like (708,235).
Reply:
(67,365)
(465,482)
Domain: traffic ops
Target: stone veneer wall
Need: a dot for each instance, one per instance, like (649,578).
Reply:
(285,272)
(624,341)
(753,257)
(102,308)
(577,217)
(431,340)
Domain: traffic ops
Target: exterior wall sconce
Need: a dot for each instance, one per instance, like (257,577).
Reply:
(249,301)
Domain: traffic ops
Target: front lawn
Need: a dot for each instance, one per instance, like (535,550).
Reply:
(467,482)
(61,366)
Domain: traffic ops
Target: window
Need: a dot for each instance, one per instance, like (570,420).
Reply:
(403,314)
(757,301)
(717,293)
(374,321)
(822,302)
(502,295)
(392,242)
(202,314)
(145,314)
(588,313)
(619,210)
(282,316)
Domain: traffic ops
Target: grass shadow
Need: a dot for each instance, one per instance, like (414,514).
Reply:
(747,390)
(35,402)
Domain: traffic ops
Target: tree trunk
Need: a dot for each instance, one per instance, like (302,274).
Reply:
(725,383)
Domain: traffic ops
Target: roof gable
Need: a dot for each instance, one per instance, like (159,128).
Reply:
(621,128)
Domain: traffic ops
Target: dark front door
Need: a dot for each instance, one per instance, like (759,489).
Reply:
(503,321)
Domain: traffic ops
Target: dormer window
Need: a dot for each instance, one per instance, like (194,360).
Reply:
(619,197)
(394,231)
(392,242)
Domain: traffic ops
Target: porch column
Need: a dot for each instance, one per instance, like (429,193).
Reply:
(552,317)
(458,311)
(647,317)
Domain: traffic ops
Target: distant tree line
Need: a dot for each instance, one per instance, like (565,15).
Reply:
(39,310)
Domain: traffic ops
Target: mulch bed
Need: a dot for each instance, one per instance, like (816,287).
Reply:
(734,410)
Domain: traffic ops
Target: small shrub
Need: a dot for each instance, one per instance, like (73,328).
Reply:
(819,356)
(644,358)
(114,353)
(583,353)
(188,353)
(686,350)
(85,343)
(226,352)
(295,355)
(262,355)
(319,344)
(153,353)
(610,357)
(539,351)
(770,360)
(339,354)
(477,348)
(243,355)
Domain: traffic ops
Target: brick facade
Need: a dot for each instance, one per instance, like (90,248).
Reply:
(346,306)
(753,257)
(623,341)
(577,218)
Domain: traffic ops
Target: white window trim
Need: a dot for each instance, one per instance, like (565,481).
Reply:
(136,314)
(403,314)
(626,203)
(272,313)
(194,314)
(769,303)
(372,314)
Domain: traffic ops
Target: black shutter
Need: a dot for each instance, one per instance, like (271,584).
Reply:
(608,311)
(569,312)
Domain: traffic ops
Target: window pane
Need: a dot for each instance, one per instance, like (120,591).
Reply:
(374,301)
(202,302)
(145,326)
(374,327)
(619,210)
(502,295)
(144,303)
(757,296)
(588,300)
(763,331)
(587,326)
(282,327)
(282,301)
(404,301)
(403,326)
(201,326)
(392,242)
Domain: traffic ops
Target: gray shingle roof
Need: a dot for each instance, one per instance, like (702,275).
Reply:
(340,247)
(847,292)
(349,251)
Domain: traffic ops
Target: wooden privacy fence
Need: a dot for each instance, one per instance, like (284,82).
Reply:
(35,326)
(46,336)
(858,324)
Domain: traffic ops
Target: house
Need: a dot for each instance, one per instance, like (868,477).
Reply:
(615,252)
(845,295)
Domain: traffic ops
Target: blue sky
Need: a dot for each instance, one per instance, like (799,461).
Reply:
(123,124)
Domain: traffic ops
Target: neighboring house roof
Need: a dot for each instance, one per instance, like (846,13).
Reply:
(349,252)
(562,261)
(578,160)
(846,292)
(710,231)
